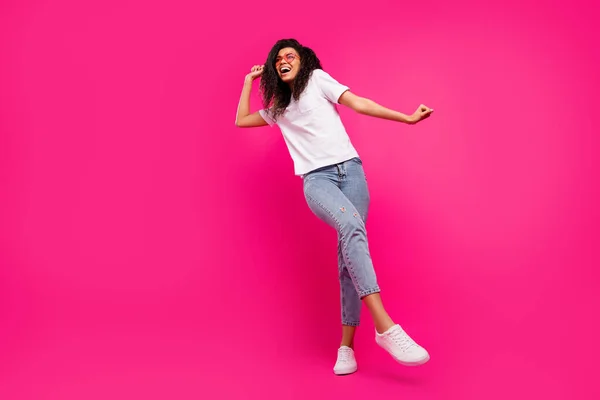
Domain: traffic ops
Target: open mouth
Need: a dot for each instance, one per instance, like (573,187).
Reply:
(285,70)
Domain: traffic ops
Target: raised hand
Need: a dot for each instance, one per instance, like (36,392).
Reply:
(255,72)
(422,113)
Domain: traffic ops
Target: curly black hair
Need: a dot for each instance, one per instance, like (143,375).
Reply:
(277,94)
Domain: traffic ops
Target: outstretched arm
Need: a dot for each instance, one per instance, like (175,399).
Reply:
(243,118)
(368,107)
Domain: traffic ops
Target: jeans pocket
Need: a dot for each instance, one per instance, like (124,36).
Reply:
(357,160)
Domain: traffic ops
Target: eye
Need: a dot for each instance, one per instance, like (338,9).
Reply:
(290,57)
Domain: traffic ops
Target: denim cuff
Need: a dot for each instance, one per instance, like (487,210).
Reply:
(364,293)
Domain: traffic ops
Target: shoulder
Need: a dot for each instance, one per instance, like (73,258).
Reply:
(319,74)
(267,115)
(322,77)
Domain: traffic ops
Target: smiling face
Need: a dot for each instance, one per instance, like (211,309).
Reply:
(287,64)
(287,73)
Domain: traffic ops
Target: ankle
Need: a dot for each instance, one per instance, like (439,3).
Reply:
(384,326)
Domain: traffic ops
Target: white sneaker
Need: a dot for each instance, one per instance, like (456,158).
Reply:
(401,346)
(346,363)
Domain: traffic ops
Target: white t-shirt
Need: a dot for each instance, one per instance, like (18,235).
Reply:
(312,127)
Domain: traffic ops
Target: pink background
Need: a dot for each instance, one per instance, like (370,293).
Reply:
(150,249)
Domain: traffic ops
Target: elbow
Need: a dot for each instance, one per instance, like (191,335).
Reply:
(242,122)
(362,106)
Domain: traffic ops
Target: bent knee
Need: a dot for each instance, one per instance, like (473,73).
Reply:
(351,222)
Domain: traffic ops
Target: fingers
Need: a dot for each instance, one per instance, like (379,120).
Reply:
(255,72)
(257,68)
(424,110)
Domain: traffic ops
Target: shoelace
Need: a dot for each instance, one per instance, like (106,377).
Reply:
(402,340)
(344,355)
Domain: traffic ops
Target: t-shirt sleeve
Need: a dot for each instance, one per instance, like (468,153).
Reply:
(266,114)
(331,89)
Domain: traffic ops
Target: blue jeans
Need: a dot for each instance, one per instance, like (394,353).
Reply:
(338,194)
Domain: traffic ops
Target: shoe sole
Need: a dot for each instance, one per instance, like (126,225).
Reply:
(345,371)
(406,363)
(412,363)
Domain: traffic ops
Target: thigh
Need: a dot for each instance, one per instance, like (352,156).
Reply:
(355,187)
(326,200)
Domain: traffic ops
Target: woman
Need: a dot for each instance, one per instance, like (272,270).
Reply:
(300,98)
